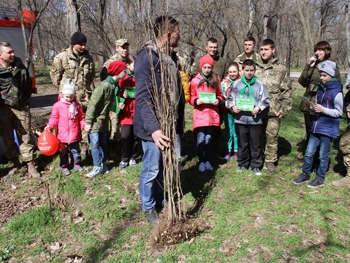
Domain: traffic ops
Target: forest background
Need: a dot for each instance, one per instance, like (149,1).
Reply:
(294,25)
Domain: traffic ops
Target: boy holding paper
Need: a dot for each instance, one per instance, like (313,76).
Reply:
(325,124)
(205,97)
(248,98)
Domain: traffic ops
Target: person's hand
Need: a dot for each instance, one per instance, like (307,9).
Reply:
(199,102)
(280,115)
(47,128)
(160,139)
(255,111)
(312,61)
(319,108)
(236,110)
(87,127)
(125,94)
(311,87)
(216,102)
(226,105)
(348,113)
(121,105)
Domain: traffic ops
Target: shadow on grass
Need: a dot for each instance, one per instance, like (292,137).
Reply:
(330,241)
(98,253)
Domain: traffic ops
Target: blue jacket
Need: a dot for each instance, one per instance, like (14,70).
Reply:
(322,123)
(148,73)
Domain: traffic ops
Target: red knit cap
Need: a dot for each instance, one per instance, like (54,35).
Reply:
(206,59)
(115,68)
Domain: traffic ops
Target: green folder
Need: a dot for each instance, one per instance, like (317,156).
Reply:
(207,97)
(245,104)
(131,91)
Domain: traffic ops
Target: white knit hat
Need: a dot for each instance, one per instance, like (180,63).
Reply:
(328,67)
(68,88)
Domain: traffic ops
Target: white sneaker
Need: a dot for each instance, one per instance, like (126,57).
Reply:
(95,171)
(208,166)
(202,167)
(132,162)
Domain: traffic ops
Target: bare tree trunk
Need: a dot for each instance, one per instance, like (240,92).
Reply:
(304,18)
(73,17)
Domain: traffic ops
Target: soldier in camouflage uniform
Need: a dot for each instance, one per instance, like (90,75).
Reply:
(276,78)
(249,45)
(16,89)
(344,145)
(122,52)
(75,63)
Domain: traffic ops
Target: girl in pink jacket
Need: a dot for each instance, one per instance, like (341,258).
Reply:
(205,97)
(68,116)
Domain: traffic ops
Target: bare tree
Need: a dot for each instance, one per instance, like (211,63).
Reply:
(73,16)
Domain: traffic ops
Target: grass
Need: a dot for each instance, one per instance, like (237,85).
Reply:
(252,218)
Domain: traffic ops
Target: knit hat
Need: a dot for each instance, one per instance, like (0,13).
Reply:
(115,68)
(68,87)
(328,67)
(78,38)
(206,59)
(121,42)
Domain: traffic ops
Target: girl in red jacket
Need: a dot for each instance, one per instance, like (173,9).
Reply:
(128,141)
(68,116)
(205,97)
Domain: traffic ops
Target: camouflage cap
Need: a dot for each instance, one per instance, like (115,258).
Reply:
(121,42)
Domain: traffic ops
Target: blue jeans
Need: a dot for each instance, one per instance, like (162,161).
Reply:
(205,142)
(98,144)
(64,154)
(151,178)
(324,142)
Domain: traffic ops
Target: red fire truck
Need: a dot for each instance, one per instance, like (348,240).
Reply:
(11,31)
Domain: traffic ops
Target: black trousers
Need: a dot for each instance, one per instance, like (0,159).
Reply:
(129,143)
(249,146)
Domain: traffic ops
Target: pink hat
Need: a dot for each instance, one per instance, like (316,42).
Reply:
(206,59)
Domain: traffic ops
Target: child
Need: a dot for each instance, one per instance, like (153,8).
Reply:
(325,124)
(230,132)
(205,97)
(97,116)
(248,98)
(128,140)
(68,116)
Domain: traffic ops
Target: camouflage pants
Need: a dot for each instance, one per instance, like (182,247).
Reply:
(7,124)
(344,145)
(24,129)
(273,125)
(114,126)
(83,98)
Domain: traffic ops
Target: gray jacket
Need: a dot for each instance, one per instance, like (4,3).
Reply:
(261,100)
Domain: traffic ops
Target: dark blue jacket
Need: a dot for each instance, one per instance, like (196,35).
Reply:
(148,73)
(321,123)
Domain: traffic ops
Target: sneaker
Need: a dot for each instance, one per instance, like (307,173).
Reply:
(303,178)
(202,167)
(317,182)
(227,156)
(105,169)
(257,171)
(65,171)
(78,168)
(241,169)
(132,162)
(270,167)
(208,166)
(122,165)
(95,171)
(151,215)
(235,155)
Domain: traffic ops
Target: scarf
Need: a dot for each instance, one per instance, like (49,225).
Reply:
(227,84)
(249,85)
(72,109)
(205,79)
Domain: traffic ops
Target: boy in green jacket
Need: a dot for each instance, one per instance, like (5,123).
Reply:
(97,116)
